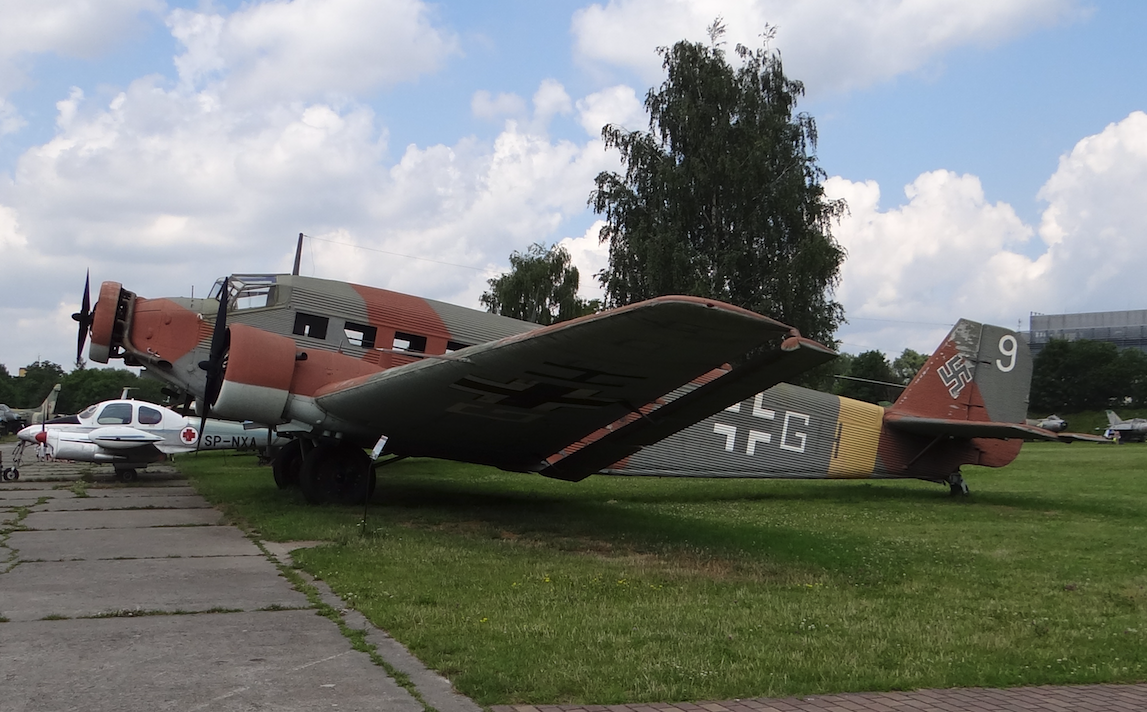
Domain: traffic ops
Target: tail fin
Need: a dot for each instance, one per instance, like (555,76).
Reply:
(1113,419)
(980,373)
(47,409)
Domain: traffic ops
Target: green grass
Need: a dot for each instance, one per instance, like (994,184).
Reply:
(521,589)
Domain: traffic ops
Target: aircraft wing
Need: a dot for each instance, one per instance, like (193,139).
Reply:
(1081,437)
(515,402)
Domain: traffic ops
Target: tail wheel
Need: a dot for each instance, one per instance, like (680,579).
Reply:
(287,464)
(340,474)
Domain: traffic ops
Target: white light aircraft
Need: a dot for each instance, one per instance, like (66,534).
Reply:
(131,434)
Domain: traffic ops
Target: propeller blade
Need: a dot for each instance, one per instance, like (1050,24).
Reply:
(214,365)
(84,317)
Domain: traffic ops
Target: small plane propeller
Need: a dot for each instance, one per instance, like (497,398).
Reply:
(215,365)
(84,317)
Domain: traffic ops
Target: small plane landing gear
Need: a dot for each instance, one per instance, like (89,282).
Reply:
(10,474)
(956,485)
(287,464)
(340,474)
(126,474)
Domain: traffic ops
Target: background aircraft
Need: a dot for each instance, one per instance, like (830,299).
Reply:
(1053,422)
(1134,430)
(13,419)
(131,434)
(674,386)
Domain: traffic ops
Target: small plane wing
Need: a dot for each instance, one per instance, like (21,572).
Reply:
(514,402)
(1081,437)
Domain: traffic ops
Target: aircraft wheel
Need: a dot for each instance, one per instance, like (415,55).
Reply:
(339,474)
(127,474)
(287,464)
(11,474)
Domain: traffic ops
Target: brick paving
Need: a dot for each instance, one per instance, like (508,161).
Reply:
(1075,698)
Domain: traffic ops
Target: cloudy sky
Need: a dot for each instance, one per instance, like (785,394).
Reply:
(993,153)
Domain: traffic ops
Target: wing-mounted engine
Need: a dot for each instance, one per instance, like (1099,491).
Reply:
(257,379)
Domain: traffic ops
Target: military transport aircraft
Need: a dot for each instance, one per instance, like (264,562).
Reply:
(13,419)
(131,434)
(1134,430)
(673,386)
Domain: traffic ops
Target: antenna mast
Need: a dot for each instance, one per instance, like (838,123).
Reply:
(298,255)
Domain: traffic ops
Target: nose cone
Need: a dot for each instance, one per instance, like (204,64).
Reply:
(30,433)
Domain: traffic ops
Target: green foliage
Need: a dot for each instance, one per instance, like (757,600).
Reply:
(541,287)
(906,365)
(78,389)
(722,197)
(1087,375)
(871,366)
(525,590)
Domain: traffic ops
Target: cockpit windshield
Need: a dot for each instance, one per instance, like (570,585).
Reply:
(246,291)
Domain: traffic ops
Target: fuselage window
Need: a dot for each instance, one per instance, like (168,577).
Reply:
(360,334)
(149,416)
(452,346)
(310,325)
(87,412)
(115,414)
(409,342)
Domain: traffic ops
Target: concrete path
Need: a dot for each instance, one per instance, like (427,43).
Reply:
(138,597)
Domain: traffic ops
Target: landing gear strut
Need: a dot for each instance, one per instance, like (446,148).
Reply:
(956,484)
(340,474)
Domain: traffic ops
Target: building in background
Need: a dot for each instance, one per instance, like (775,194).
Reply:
(1125,329)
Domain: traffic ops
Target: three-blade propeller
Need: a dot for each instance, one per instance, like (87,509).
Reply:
(215,365)
(84,317)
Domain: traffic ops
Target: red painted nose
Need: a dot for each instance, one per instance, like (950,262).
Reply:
(42,437)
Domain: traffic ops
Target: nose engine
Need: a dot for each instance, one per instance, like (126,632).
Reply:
(110,318)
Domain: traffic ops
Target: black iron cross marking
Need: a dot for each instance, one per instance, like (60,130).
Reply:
(531,395)
(581,376)
(836,447)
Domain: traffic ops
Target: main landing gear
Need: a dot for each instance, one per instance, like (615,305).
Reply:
(956,484)
(338,473)
(126,474)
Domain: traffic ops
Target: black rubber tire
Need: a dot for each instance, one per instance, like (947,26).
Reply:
(339,474)
(10,474)
(287,464)
(128,474)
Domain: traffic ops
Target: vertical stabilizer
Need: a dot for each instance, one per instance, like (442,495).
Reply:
(979,373)
(1113,419)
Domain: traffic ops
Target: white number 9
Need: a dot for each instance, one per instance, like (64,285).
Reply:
(1008,347)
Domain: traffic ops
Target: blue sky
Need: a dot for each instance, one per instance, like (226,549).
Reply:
(163,144)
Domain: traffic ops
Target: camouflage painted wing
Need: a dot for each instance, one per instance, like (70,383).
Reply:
(515,402)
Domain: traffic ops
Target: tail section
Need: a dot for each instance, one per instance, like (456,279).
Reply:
(980,373)
(1113,419)
(47,409)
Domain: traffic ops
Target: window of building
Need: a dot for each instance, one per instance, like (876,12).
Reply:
(362,335)
(310,325)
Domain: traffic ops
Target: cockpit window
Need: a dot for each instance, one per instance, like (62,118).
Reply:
(246,291)
(87,412)
(115,414)
(149,416)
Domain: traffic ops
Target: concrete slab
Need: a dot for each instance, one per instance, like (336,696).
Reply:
(90,544)
(14,503)
(283,661)
(157,502)
(178,488)
(121,518)
(34,590)
(37,489)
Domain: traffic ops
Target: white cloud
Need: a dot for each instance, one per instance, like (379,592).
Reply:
(71,28)
(484,105)
(590,255)
(617,105)
(828,44)
(948,252)
(307,49)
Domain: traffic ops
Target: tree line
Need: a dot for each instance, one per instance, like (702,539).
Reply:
(78,389)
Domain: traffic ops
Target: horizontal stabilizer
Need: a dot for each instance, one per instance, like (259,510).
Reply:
(939,427)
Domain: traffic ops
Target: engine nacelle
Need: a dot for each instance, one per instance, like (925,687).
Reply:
(257,382)
(62,449)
